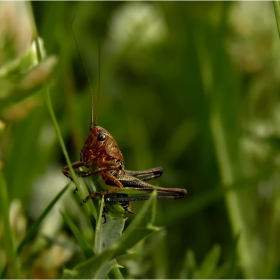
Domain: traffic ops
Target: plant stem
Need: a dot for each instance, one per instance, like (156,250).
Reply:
(115,273)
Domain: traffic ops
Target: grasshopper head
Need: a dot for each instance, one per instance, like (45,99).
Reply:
(99,146)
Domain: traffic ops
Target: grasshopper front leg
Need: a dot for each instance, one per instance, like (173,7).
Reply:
(65,170)
(77,164)
(108,177)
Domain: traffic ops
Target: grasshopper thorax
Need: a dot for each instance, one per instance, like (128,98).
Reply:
(100,146)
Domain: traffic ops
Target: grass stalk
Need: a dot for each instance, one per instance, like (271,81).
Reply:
(49,103)
(224,156)
(12,261)
(236,217)
(276,5)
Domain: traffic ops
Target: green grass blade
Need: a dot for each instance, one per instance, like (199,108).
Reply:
(55,124)
(97,239)
(79,237)
(91,206)
(49,104)
(36,225)
(11,255)
(276,5)
(115,273)
(210,263)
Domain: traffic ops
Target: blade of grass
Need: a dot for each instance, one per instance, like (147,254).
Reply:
(49,103)
(210,263)
(12,261)
(276,5)
(79,237)
(223,114)
(115,273)
(97,241)
(93,206)
(35,226)
(237,218)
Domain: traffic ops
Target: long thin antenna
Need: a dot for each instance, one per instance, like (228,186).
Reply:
(92,106)
(98,94)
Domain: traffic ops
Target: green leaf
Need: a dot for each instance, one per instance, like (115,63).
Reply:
(86,272)
(111,231)
(141,227)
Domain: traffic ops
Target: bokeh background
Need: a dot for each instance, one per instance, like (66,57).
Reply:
(189,86)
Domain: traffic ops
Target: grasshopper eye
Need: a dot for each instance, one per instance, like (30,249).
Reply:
(101,136)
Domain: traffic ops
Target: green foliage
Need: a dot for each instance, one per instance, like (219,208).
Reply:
(109,245)
(32,230)
(209,268)
(189,86)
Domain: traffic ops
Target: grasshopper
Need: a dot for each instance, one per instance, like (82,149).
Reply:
(104,161)
(101,155)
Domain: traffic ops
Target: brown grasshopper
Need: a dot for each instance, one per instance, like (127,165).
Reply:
(101,155)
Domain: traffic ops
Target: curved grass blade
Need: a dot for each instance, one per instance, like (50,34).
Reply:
(79,237)
(49,103)
(36,225)
(210,263)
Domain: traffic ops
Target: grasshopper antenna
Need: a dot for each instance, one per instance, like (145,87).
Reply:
(98,94)
(92,123)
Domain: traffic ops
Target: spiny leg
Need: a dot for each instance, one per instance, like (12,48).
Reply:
(131,182)
(140,198)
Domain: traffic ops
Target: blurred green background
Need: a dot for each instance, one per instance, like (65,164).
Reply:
(189,86)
